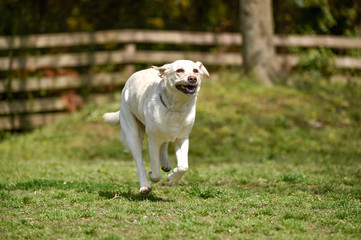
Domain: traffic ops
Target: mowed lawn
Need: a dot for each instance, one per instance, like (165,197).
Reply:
(265,163)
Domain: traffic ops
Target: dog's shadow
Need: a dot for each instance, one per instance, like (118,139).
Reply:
(130,196)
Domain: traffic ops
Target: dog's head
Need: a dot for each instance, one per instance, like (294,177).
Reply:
(183,75)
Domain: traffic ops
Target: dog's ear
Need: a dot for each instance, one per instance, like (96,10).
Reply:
(163,70)
(202,68)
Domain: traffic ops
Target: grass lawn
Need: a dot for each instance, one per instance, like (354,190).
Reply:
(265,163)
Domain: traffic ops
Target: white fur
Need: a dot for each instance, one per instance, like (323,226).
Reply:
(152,104)
(111,118)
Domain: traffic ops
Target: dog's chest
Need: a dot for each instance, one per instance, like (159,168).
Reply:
(170,125)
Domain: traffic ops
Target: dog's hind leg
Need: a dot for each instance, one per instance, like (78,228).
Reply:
(132,134)
(164,162)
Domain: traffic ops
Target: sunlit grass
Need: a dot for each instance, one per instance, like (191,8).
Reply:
(279,163)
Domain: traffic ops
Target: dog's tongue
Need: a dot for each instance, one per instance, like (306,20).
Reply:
(187,89)
(190,89)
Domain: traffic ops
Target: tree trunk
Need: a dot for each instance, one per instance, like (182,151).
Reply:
(257,31)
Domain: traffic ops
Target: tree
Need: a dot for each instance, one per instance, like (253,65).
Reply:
(257,31)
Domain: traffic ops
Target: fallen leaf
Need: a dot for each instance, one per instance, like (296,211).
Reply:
(116,196)
(71,100)
(262,180)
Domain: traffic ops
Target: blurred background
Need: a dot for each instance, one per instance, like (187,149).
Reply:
(290,16)
(56,56)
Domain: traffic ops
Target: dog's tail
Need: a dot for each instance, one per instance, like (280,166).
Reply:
(111,118)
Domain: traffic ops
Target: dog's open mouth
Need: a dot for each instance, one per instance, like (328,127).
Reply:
(187,89)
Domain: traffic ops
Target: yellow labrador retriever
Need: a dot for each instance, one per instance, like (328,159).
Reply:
(161,102)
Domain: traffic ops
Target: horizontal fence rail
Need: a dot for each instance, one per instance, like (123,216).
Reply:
(129,55)
(155,57)
(120,36)
(20,113)
(37,107)
(116,57)
(168,37)
(31,121)
(63,82)
(47,104)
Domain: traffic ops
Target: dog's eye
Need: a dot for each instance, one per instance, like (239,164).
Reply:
(195,70)
(180,70)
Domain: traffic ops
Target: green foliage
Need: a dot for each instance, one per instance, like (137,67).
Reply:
(319,62)
(35,16)
(291,16)
(317,17)
(280,163)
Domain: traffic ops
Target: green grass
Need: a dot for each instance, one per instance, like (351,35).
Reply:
(265,163)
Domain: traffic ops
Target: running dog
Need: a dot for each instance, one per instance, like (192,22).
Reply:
(161,102)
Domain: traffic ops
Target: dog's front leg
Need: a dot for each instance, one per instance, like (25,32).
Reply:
(181,150)
(154,153)
(164,162)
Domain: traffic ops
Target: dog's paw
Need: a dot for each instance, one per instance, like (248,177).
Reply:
(166,168)
(176,175)
(154,178)
(145,190)
(171,181)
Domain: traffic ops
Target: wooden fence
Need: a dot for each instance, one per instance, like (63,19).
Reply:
(17,114)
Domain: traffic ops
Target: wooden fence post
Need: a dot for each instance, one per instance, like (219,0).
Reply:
(129,53)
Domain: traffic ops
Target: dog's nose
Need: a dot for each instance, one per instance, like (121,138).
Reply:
(192,79)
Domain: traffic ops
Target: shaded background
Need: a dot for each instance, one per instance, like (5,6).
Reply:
(290,16)
(326,18)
